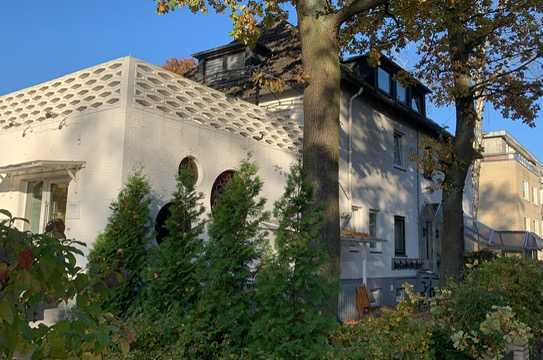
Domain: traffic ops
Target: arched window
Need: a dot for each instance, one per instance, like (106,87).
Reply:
(160,223)
(189,165)
(219,185)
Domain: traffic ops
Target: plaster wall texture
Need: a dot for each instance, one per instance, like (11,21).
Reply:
(502,205)
(95,138)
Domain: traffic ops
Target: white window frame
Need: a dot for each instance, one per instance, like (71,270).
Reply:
(46,196)
(525,190)
(535,195)
(376,247)
(400,136)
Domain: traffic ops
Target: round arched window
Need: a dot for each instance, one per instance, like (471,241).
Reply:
(219,185)
(189,166)
(160,223)
(163,215)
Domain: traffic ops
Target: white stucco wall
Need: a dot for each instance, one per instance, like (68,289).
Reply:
(95,138)
(157,144)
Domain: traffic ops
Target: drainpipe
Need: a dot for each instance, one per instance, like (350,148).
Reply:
(350,180)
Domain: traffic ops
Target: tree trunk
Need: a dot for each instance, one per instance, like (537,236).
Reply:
(452,243)
(320,51)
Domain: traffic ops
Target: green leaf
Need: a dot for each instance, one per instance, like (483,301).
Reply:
(6,312)
(6,213)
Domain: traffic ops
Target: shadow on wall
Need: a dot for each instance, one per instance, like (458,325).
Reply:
(499,208)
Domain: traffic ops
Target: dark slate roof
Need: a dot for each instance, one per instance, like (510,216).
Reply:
(285,63)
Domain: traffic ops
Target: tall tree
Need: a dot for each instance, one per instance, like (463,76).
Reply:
(220,321)
(473,51)
(319,25)
(118,256)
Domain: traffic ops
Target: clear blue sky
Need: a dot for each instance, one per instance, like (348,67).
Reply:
(42,40)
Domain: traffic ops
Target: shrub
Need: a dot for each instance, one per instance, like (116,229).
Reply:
(119,254)
(173,276)
(510,288)
(220,323)
(39,269)
(393,334)
(519,281)
(290,290)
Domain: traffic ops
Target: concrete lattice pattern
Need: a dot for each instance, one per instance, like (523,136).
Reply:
(177,96)
(83,91)
(149,88)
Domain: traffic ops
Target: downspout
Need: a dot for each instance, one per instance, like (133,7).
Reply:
(350,180)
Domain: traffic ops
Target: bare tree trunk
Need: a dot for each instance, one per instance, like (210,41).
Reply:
(320,51)
(452,243)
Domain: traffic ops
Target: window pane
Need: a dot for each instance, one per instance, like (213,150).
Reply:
(235,61)
(383,80)
(399,235)
(34,194)
(372,227)
(59,198)
(398,149)
(401,92)
(416,103)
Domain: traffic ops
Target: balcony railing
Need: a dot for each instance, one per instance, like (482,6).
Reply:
(514,156)
(400,263)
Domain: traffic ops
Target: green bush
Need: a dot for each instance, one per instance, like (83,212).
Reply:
(219,325)
(462,310)
(290,289)
(173,275)
(402,333)
(119,255)
(39,269)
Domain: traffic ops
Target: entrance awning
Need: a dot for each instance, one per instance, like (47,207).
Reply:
(516,241)
(41,166)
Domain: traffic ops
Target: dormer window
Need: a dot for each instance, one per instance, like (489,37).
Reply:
(416,102)
(224,68)
(383,80)
(235,61)
(401,93)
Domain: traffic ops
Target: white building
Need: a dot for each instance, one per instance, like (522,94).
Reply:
(68,145)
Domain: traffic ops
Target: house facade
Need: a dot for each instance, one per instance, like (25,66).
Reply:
(68,145)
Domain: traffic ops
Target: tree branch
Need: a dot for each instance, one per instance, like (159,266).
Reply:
(355,7)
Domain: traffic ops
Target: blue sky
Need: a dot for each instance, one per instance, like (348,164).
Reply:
(46,39)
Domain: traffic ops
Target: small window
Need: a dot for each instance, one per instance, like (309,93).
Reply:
(235,61)
(218,186)
(399,236)
(372,227)
(383,80)
(535,195)
(527,224)
(188,164)
(356,219)
(401,93)
(416,103)
(525,190)
(398,149)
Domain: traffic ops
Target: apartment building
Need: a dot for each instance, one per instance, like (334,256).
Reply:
(511,185)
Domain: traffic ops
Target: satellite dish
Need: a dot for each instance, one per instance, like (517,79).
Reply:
(438,177)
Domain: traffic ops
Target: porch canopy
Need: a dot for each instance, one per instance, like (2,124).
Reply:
(516,241)
(41,166)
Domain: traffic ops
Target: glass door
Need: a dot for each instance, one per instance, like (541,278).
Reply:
(34,204)
(46,200)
